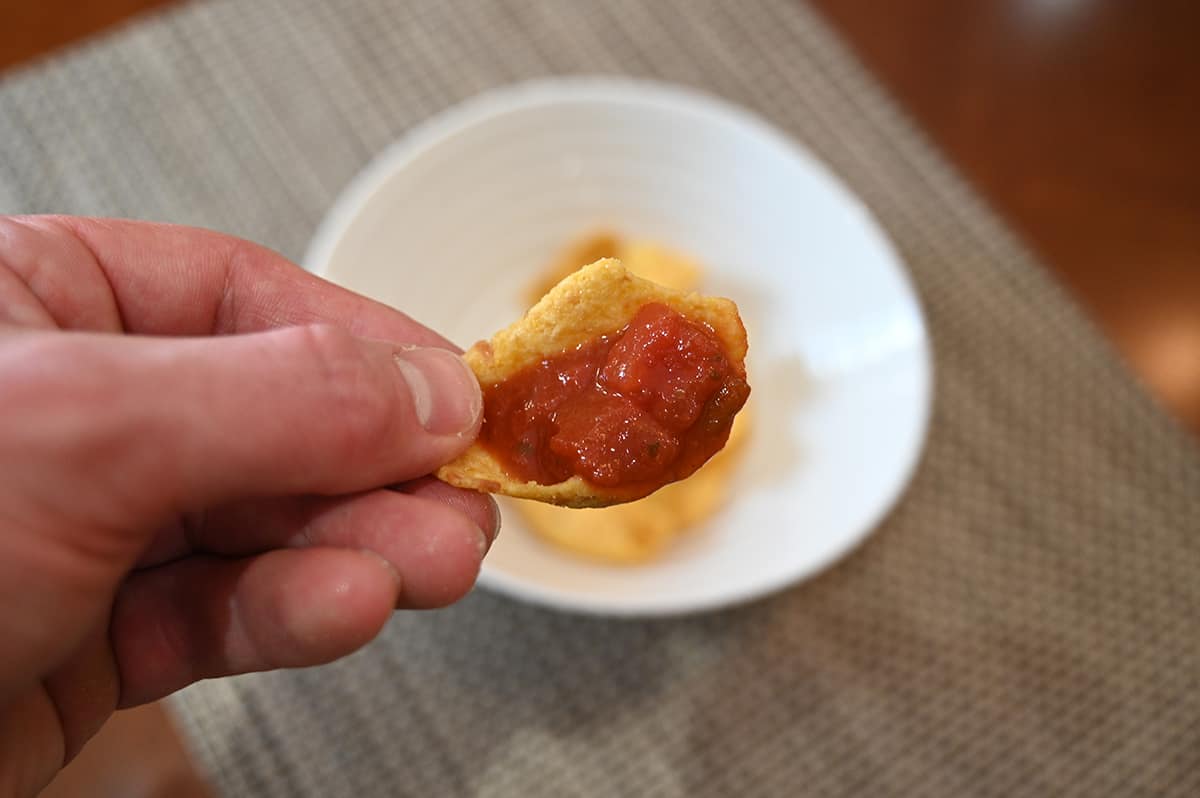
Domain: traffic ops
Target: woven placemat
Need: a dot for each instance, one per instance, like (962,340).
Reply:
(1027,622)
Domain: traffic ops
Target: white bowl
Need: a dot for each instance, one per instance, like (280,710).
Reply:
(453,222)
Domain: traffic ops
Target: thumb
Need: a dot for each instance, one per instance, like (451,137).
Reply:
(166,425)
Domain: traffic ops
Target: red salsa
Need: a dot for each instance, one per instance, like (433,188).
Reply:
(633,410)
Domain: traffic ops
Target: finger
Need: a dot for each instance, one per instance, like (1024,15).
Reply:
(257,525)
(84,690)
(18,304)
(31,743)
(167,425)
(435,547)
(170,280)
(479,507)
(60,276)
(205,617)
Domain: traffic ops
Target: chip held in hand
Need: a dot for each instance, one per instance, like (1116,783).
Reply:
(609,388)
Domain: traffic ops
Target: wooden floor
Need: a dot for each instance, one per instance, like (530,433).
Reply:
(1078,119)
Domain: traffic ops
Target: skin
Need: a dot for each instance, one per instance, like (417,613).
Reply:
(211,462)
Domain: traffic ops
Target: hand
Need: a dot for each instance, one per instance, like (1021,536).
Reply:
(195,439)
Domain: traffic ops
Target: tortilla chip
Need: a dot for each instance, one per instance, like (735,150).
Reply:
(640,530)
(596,300)
(645,259)
(597,246)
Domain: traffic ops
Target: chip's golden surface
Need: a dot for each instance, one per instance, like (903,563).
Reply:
(590,305)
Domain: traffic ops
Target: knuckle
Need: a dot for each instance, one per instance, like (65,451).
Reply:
(65,411)
(332,351)
(57,274)
(41,368)
(356,394)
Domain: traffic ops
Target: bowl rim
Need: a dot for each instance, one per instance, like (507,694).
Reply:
(548,91)
(540,92)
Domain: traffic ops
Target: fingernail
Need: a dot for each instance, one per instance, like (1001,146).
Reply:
(497,519)
(391,569)
(445,393)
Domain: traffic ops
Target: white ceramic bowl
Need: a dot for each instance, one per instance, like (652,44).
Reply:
(453,222)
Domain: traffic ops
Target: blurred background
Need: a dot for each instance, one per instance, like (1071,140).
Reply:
(1079,120)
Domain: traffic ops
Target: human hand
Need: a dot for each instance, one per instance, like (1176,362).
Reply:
(195,436)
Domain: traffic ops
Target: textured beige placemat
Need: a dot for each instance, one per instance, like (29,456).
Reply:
(1026,623)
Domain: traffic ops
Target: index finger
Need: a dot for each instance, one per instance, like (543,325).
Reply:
(173,280)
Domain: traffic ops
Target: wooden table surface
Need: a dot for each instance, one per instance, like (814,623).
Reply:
(1079,120)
